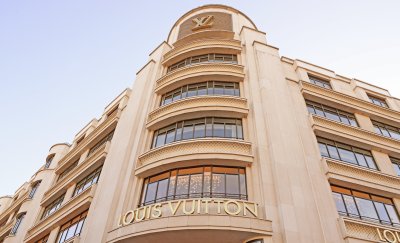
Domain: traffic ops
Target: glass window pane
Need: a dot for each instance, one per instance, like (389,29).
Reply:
(71,232)
(350,205)
(323,150)
(151,192)
(170,136)
(239,130)
(382,212)
(333,153)
(229,91)
(196,182)
(319,111)
(347,156)
(396,168)
(171,188)
(310,109)
(361,160)
(199,130)
(182,186)
(218,185)
(243,189)
(162,189)
(178,135)
(232,184)
(339,202)
(344,119)
(202,90)
(366,208)
(331,115)
(160,139)
(370,162)
(207,183)
(79,227)
(230,131)
(353,122)
(218,90)
(187,132)
(392,213)
(218,130)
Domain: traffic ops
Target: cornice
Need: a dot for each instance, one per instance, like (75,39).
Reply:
(230,149)
(198,104)
(217,44)
(355,133)
(374,179)
(354,102)
(227,69)
(69,209)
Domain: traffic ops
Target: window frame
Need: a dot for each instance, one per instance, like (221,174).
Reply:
(100,143)
(53,207)
(378,101)
(71,223)
(20,217)
(379,126)
(87,181)
(349,116)
(321,82)
(204,58)
(34,188)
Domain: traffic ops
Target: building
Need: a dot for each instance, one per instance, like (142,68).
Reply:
(222,140)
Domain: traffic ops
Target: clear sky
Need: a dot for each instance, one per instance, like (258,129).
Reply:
(62,62)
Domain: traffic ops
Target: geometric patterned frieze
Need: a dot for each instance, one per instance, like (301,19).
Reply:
(368,231)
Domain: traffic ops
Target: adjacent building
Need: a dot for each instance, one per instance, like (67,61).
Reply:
(221,139)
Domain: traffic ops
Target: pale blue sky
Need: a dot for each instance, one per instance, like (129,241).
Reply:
(61,62)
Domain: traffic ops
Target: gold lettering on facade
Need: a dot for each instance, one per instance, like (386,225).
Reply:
(388,236)
(203,22)
(201,206)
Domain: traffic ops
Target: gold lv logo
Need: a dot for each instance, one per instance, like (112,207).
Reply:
(203,22)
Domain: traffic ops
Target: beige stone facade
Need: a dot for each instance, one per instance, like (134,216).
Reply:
(221,139)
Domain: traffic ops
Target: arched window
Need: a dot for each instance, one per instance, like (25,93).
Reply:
(48,161)
(34,189)
(18,222)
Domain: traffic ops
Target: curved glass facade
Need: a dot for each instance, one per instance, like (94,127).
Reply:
(195,182)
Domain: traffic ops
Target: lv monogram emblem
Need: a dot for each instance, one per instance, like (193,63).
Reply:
(203,22)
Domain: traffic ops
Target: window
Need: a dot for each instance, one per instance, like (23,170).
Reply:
(67,170)
(195,182)
(331,113)
(87,182)
(386,130)
(365,206)
(346,153)
(203,88)
(227,58)
(71,228)
(43,240)
(104,140)
(320,82)
(52,207)
(378,101)
(34,189)
(48,162)
(199,128)
(17,223)
(396,165)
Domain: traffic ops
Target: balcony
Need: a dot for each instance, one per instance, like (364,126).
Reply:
(345,174)
(66,212)
(323,125)
(207,71)
(309,89)
(193,152)
(201,47)
(196,107)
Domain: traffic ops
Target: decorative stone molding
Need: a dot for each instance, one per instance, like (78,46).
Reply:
(202,44)
(66,212)
(6,228)
(199,103)
(364,230)
(347,100)
(355,133)
(14,205)
(338,170)
(96,157)
(213,68)
(195,149)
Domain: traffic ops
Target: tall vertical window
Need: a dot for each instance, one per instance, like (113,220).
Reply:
(53,206)
(72,228)
(331,113)
(34,189)
(199,128)
(18,223)
(387,130)
(195,182)
(104,140)
(365,206)
(213,57)
(88,181)
(378,101)
(48,162)
(396,165)
(203,88)
(346,153)
(320,82)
